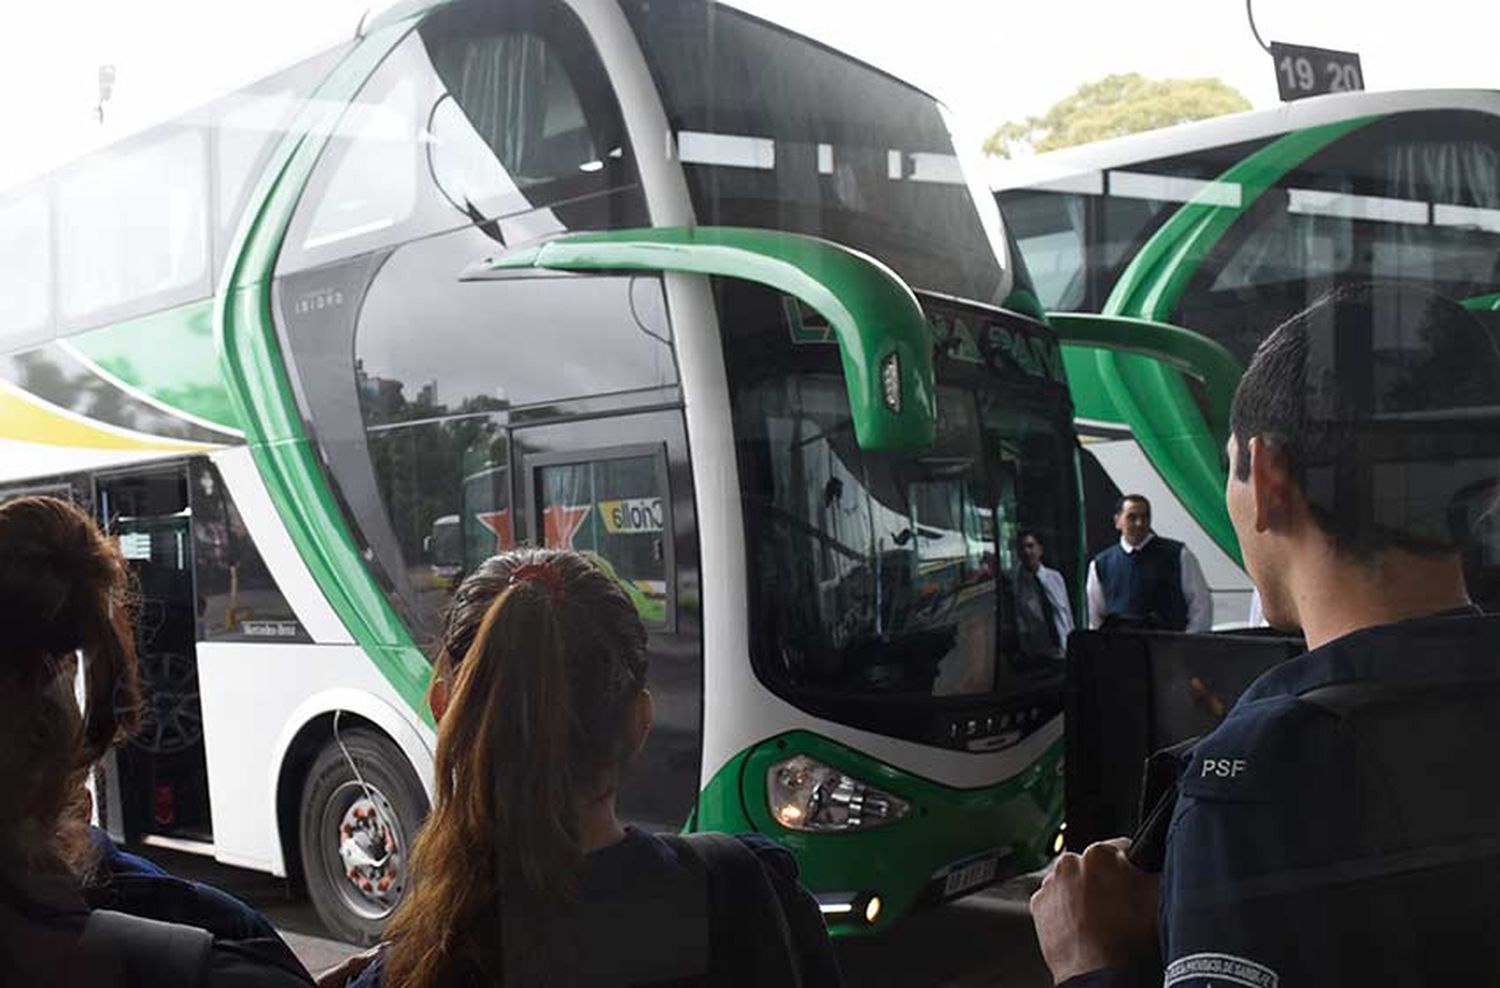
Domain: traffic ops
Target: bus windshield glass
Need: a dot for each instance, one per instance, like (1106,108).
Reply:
(774,130)
(898,576)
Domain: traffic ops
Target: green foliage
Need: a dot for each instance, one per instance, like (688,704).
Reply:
(1114,106)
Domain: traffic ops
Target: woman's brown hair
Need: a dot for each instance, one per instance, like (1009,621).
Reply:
(543,656)
(63,593)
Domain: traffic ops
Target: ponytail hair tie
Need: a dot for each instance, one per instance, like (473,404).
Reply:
(542,573)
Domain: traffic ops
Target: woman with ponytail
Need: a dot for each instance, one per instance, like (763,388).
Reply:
(64,600)
(523,873)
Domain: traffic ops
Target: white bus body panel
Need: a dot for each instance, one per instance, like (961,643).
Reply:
(255,699)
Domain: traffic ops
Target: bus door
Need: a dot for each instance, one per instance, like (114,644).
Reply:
(162,774)
(618,490)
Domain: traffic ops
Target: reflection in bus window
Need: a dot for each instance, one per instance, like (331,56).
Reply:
(895,562)
(422,470)
(614,511)
(1414,198)
(238,599)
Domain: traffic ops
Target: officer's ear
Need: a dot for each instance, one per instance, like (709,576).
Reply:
(1271,487)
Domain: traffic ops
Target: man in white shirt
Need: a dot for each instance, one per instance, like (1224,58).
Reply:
(1147,580)
(1045,616)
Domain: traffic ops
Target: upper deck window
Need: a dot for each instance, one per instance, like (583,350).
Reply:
(25,269)
(777,131)
(501,116)
(133,225)
(1414,197)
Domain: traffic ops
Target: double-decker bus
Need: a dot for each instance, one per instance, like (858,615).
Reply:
(1168,256)
(649,279)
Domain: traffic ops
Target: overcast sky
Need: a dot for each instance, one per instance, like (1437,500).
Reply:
(990,60)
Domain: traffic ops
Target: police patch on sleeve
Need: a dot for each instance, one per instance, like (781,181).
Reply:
(1219,969)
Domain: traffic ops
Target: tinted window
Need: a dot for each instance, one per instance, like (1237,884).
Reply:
(1079,235)
(1412,198)
(484,114)
(25,269)
(777,131)
(133,227)
(445,489)
(1050,230)
(613,509)
(883,584)
(237,597)
(430,345)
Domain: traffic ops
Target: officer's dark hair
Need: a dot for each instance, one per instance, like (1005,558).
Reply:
(1031,533)
(1123,499)
(1380,397)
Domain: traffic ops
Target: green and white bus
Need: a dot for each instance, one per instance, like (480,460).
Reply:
(651,279)
(1168,256)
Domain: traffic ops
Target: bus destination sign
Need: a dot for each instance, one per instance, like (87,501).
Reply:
(1302,71)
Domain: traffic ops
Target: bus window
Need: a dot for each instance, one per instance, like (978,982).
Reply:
(238,599)
(1050,229)
(483,114)
(436,505)
(145,207)
(434,347)
(775,132)
(1412,198)
(614,508)
(26,275)
(884,587)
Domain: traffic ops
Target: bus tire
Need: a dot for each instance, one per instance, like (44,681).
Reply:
(356,832)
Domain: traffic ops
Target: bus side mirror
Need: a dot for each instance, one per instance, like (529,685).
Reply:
(884,342)
(1183,350)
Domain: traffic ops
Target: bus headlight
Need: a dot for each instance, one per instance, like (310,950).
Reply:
(805,794)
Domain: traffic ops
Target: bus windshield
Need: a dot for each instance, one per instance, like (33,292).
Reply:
(882,576)
(774,130)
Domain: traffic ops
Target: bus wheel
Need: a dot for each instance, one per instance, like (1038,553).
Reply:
(356,832)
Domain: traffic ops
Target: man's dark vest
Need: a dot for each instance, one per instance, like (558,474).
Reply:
(1145,585)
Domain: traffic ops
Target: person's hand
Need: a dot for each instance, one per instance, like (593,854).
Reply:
(345,972)
(1095,910)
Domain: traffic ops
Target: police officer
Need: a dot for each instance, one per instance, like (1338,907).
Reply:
(1146,580)
(1342,825)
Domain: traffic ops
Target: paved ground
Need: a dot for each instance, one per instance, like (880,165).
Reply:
(982,941)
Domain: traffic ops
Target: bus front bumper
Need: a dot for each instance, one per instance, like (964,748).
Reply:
(949,843)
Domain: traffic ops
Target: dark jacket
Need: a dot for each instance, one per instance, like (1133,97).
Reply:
(1341,826)
(42,920)
(616,880)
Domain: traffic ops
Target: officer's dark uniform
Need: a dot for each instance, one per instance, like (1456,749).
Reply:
(1342,825)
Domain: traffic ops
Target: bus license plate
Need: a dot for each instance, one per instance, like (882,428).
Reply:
(972,875)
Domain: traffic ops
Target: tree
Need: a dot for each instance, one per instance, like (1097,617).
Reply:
(1114,106)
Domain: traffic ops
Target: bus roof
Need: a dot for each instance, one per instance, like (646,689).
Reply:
(1064,166)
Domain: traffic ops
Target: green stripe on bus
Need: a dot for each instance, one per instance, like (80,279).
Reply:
(1483,303)
(1153,398)
(170,356)
(262,391)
